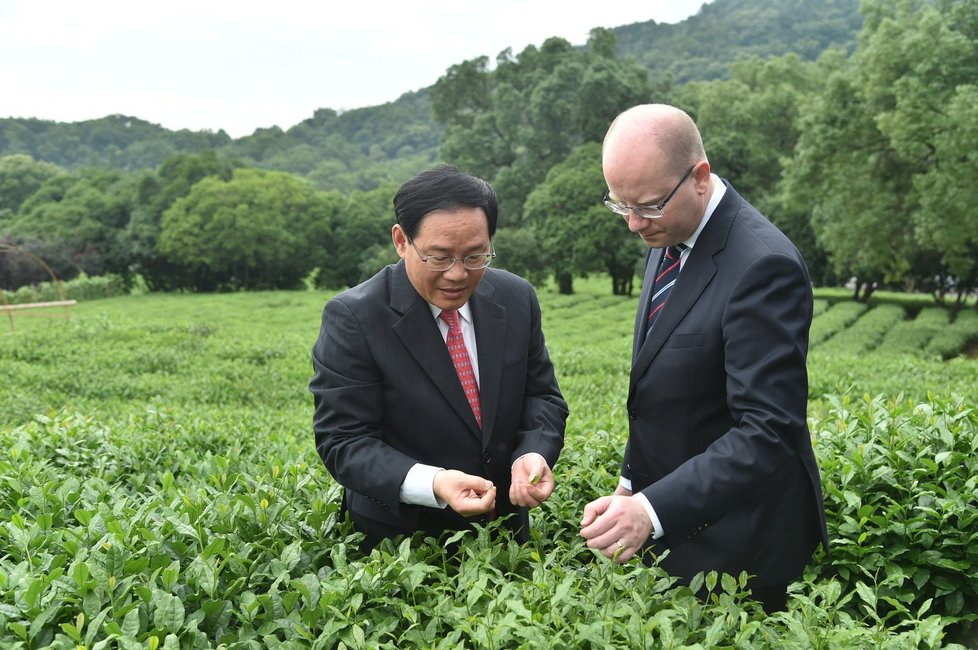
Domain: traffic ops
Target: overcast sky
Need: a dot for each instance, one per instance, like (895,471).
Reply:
(239,65)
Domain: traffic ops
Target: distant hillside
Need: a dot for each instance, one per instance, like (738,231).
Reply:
(114,141)
(351,150)
(361,148)
(700,47)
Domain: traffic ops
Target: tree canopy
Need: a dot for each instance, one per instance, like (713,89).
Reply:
(861,155)
(257,230)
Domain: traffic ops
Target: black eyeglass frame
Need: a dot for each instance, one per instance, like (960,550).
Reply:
(644,211)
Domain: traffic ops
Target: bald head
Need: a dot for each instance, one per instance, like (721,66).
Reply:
(653,133)
(653,156)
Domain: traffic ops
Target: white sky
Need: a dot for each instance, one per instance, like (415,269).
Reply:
(240,65)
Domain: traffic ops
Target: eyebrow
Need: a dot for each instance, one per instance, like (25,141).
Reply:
(647,204)
(475,250)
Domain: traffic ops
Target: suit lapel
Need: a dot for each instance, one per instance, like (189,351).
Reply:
(642,315)
(419,334)
(696,274)
(490,333)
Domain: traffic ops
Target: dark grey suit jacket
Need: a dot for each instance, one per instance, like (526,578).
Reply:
(717,402)
(387,397)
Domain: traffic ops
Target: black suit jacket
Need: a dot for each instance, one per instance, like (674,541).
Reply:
(717,403)
(387,396)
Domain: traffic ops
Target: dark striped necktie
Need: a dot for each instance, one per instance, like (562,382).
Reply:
(666,277)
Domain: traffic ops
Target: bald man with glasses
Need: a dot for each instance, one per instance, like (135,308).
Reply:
(718,472)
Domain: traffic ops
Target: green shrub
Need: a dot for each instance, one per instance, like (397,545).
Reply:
(161,489)
(867,332)
(913,336)
(835,319)
(950,341)
(83,287)
(900,482)
(157,530)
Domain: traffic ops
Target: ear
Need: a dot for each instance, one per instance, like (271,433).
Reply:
(701,176)
(400,239)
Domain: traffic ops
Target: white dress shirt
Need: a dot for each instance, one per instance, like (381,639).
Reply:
(718,191)
(417,486)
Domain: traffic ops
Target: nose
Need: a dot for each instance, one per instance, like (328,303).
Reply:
(635,222)
(457,271)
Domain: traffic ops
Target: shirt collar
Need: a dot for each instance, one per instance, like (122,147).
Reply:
(718,191)
(464,312)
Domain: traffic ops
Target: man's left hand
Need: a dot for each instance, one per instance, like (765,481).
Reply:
(617,526)
(532,483)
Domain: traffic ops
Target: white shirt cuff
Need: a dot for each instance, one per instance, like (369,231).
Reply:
(524,456)
(625,483)
(417,488)
(657,531)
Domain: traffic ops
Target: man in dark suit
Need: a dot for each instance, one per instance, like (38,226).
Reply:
(436,403)
(718,468)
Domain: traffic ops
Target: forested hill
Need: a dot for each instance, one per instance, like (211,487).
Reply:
(360,148)
(702,46)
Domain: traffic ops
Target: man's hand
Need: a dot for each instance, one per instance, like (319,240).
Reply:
(533,482)
(617,526)
(466,494)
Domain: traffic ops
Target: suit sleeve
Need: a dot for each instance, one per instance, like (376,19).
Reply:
(348,394)
(765,340)
(544,412)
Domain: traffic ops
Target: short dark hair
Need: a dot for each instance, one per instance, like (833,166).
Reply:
(442,188)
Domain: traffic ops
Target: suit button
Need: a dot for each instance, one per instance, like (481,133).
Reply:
(631,415)
(486,459)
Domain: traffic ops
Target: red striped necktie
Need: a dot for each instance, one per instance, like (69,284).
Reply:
(463,366)
(669,266)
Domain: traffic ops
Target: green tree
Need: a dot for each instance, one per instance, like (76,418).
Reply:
(258,230)
(576,234)
(360,244)
(74,221)
(750,125)
(512,124)
(883,146)
(156,191)
(20,177)
(749,122)
(519,251)
(947,219)
(920,63)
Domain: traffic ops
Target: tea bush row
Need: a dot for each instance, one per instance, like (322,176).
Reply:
(246,550)
(900,482)
(83,287)
(866,333)
(835,319)
(949,341)
(179,500)
(913,336)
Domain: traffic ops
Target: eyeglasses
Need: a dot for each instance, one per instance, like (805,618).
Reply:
(442,263)
(645,211)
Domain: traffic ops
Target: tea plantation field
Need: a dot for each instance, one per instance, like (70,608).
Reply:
(159,488)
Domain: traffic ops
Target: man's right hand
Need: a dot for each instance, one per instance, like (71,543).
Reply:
(466,494)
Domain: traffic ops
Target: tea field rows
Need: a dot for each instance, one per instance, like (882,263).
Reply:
(160,489)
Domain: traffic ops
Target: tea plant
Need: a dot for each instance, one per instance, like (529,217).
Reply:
(160,489)
(913,336)
(833,320)
(951,340)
